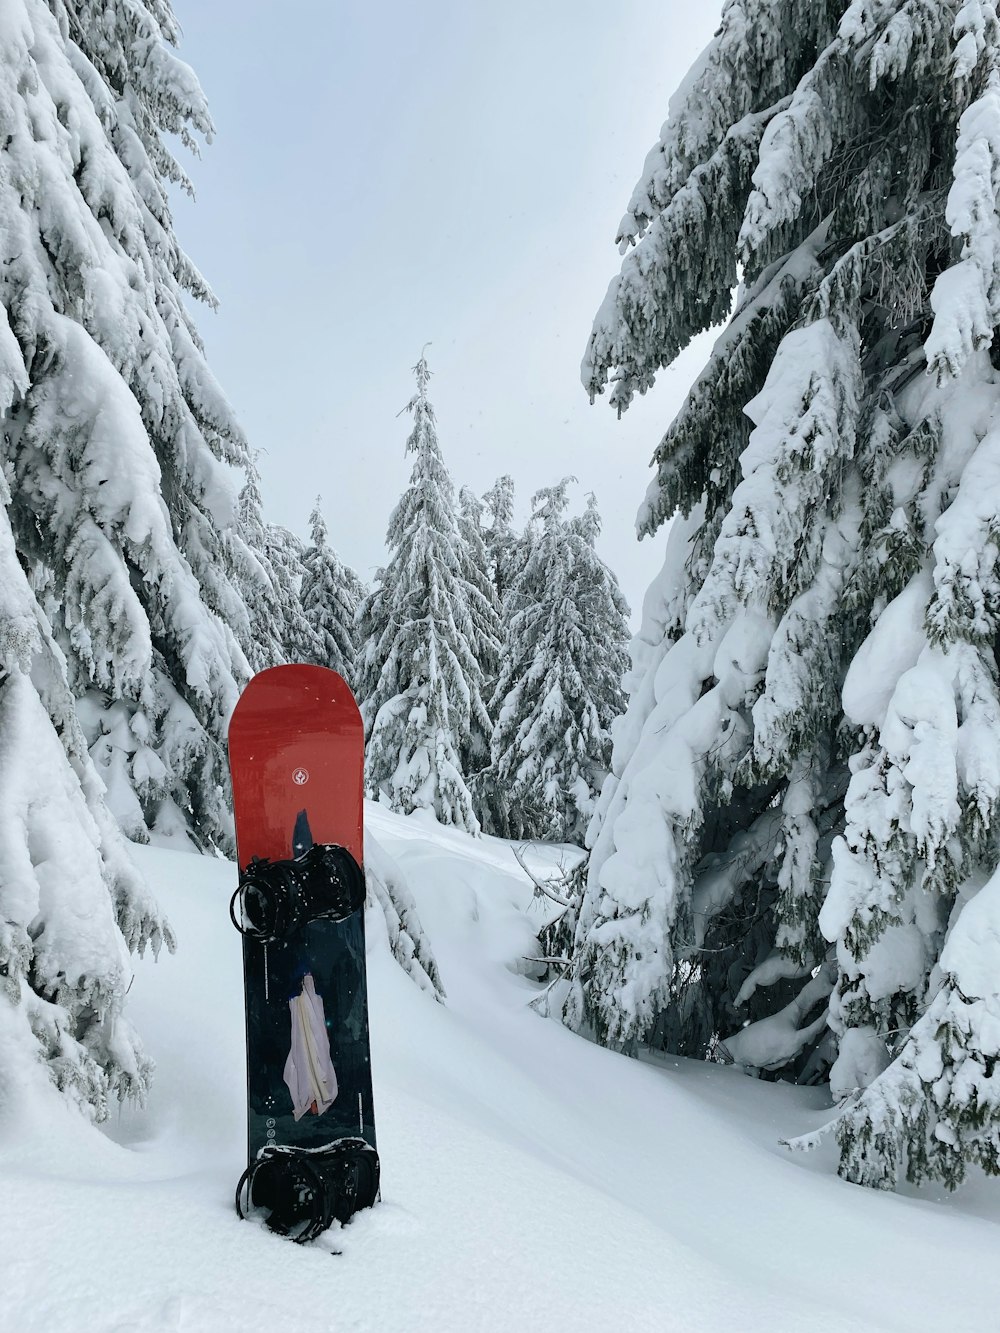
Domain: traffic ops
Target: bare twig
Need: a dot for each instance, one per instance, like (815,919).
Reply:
(539,885)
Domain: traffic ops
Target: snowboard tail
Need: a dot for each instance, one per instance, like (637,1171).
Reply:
(303,1190)
(296,746)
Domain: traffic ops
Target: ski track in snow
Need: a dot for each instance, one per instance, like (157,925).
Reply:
(530,1179)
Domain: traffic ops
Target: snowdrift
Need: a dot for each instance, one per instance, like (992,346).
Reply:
(530,1179)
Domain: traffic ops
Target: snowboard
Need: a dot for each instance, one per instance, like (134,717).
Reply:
(296,755)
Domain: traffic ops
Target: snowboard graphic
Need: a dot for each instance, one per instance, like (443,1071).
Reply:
(296,754)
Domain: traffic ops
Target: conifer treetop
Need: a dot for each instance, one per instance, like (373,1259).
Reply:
(559,684)
(420,679)
(329,600)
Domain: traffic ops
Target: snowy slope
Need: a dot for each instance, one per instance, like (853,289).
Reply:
(530,1180)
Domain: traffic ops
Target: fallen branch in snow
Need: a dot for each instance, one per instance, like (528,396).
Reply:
(540,885)
(557,938)
(809,1142)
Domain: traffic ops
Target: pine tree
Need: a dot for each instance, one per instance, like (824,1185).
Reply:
(286,553)
(330,599)
(420,683)
(486,621)
(503,549)
(72,906)
(814,689)
(274,608)
(117,442)
(559,687)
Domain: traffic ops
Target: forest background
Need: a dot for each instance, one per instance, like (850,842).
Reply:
(794,864)
(376,218)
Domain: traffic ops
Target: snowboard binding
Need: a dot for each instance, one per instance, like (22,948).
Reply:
(302,1190)
(275,898)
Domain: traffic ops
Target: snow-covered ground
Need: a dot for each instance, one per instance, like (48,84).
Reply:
(530,1179)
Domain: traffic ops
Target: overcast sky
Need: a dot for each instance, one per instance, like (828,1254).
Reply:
(387,175)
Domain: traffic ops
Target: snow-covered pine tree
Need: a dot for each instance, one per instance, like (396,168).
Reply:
(330,599)
(559,687)
(813,696)
(503,545)
(274,609)
(286,553)
(486,623)
(72,906)
(419,680)
(117,443)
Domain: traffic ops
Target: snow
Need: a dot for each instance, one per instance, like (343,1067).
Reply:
(771,1042)
(966,296)
(861,1058)
(794,146)
(530,1179)
(891,649)
(972,952)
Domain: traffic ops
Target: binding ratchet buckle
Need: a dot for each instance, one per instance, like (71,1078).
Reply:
(302,1190)
(275,898)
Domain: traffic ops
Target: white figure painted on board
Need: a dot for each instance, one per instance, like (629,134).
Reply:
(309,1071)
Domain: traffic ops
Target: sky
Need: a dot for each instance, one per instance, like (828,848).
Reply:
(386,176)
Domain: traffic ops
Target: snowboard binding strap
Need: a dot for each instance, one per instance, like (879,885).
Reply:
(274,899)
(302,1190)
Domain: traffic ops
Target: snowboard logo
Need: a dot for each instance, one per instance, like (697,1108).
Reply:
(300,777)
